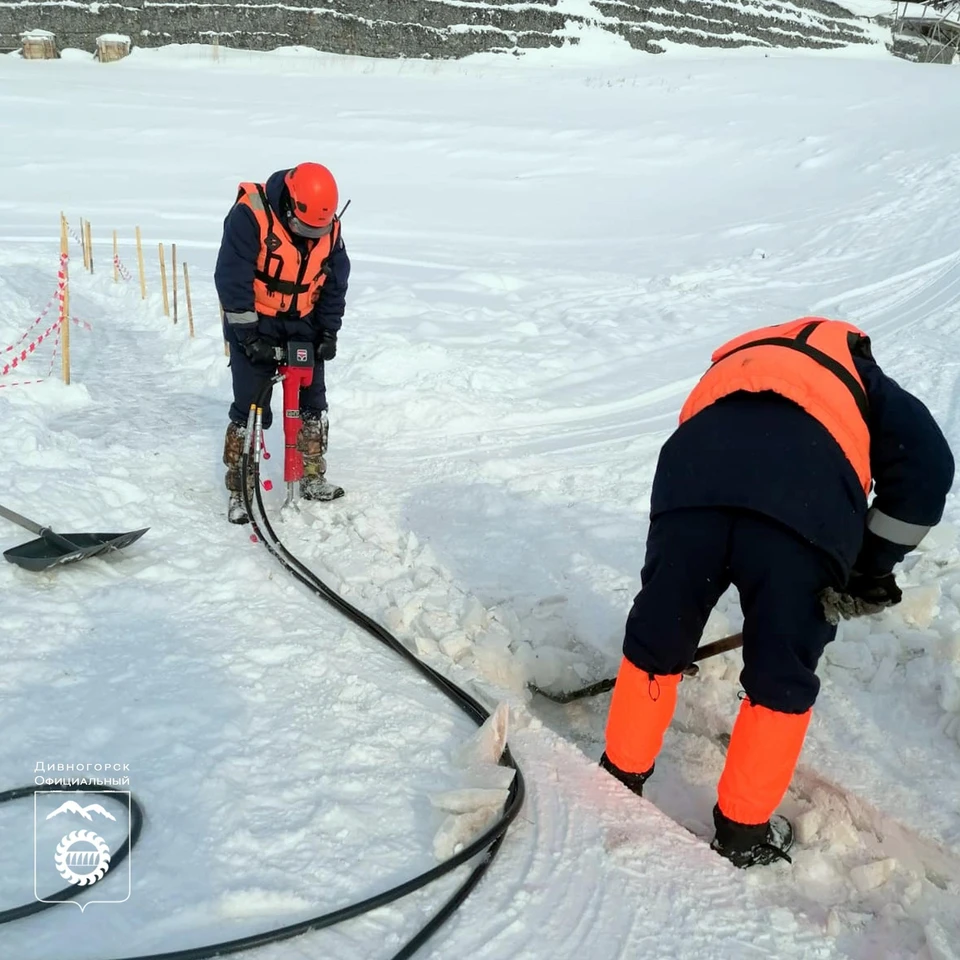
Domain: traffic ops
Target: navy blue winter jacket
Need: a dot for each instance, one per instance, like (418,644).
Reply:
(237,262)
(761,452)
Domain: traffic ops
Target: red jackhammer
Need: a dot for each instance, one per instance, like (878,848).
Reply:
(297,373)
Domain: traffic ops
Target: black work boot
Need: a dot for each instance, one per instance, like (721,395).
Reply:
(633,781)
(749,845)
(232,455)
(312,443)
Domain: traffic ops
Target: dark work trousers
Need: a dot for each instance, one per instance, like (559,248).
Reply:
(250,378)
(692,557)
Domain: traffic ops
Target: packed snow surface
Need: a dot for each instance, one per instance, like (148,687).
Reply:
(544,255)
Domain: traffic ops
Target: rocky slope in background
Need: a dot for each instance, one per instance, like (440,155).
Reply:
(438,29)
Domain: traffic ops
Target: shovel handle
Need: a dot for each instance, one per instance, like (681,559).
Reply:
(602,686)
(61,542)
(21,521)
(719,646)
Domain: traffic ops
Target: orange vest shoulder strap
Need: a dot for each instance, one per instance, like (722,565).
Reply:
(833,338)
(254,195)
(790,330)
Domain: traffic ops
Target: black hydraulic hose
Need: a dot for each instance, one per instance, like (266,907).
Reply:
(68,893)
(492,838)
(306,576)
(442,915)
(489,841)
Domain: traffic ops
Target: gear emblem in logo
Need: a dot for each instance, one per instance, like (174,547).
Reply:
(82,857)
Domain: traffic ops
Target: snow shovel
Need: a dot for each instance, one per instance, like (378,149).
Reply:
(52,549)
(602,686)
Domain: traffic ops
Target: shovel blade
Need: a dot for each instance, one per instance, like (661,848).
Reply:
(41,554)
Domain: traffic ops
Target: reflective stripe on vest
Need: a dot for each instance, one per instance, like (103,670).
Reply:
(807,361)
(284,281)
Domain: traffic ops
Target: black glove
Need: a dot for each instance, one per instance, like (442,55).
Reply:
(863,595)
(328,346)
(260,350)
(881,590)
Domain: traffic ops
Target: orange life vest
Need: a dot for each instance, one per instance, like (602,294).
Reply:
(807,361)
(285,281)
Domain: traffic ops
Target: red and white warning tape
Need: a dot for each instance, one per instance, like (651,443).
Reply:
(120,265)
(37,322)
(31,348)
(21,352)
(121,268)
(28,350)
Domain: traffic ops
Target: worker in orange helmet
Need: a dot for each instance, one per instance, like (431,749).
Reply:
(765,485)
(282,275)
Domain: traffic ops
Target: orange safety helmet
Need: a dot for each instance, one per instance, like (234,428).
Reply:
(313,199)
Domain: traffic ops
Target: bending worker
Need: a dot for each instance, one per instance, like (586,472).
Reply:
(764,485)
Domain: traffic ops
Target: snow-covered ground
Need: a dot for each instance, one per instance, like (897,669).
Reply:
(544,256)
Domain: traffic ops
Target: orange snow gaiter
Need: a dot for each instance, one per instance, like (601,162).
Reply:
(640,712)
(761,758)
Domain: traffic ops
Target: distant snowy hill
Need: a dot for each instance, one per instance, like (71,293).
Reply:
(436,28)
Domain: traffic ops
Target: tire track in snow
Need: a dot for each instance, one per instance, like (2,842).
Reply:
(909,297)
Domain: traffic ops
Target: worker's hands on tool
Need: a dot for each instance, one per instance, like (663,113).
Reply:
(260,351)
(864,594)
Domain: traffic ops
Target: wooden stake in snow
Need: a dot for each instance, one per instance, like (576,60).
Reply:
(65,314)
(143,279)
(88,235)
(163,282)
(116,259)
(186,288)
(83,244)
(173,262)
